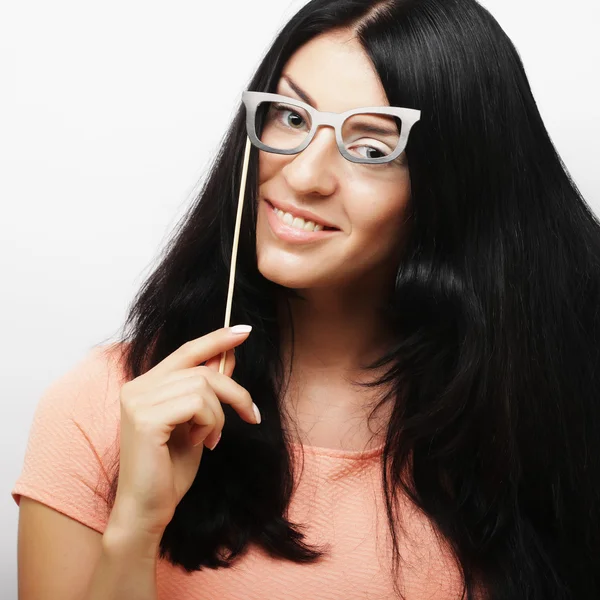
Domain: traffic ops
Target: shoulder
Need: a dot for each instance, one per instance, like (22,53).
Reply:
(73,443)
(88,392)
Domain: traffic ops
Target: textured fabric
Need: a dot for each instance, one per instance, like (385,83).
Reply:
(74,441)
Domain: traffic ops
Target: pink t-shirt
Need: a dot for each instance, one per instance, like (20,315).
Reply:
(339,501)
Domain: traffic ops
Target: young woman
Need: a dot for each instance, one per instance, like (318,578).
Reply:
(422,285)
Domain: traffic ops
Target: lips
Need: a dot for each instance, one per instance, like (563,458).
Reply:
(291,233)
(302,213)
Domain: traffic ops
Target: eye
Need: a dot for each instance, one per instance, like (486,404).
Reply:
(372,152)
(369,151)
(288,116)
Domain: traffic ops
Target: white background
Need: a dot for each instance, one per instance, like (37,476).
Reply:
(106,127)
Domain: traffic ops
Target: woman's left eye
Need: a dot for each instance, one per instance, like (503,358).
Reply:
(375,152)
(370,152)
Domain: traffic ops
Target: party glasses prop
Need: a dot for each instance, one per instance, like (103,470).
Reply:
(369,135)
(283,125)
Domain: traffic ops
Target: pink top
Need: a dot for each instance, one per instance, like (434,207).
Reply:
(339,500)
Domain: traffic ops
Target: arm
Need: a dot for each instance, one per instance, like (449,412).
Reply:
(61,559)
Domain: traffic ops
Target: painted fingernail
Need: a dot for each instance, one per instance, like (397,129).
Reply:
(215,444)
(256,413)
(241,329)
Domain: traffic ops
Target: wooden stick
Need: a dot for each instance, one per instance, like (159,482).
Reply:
(236,238)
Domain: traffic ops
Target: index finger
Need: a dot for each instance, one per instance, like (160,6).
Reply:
(199,350)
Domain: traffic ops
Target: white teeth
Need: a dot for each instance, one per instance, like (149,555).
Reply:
(296,222)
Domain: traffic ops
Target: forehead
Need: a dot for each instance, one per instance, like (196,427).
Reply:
(336,73)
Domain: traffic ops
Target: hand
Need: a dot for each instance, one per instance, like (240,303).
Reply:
(168,415)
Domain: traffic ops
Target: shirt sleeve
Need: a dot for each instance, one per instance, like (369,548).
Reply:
(72,448)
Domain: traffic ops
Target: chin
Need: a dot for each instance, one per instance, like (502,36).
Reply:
(293,277)
(286,279)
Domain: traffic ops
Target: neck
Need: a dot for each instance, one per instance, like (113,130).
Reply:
(334,332)
(335,336)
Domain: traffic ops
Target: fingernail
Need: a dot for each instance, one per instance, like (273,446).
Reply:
(256,413)
(241,329)
(215,444)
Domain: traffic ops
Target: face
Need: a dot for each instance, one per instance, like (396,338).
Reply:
(361,206)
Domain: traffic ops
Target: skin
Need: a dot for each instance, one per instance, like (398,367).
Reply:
(342,280)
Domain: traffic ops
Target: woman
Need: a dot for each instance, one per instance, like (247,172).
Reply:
(423,352)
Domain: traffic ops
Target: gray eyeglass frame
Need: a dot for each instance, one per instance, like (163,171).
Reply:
(408,117)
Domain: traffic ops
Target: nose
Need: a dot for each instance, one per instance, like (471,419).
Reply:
(315,169)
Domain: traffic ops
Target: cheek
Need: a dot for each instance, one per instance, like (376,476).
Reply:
(379,210)
(269,165)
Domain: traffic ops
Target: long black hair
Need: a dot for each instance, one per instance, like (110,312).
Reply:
(495,426)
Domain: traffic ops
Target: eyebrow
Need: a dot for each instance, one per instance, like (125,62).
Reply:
(365,128)
(299,91)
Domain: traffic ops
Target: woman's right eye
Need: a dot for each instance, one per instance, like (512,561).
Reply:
(289,117)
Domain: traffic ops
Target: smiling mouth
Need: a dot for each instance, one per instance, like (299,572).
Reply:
(298,222)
